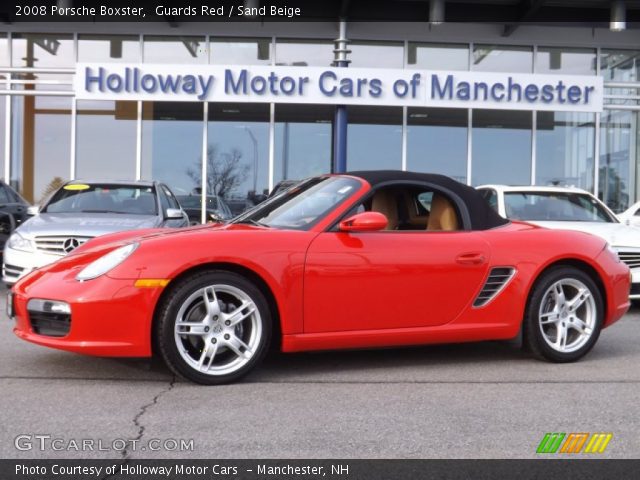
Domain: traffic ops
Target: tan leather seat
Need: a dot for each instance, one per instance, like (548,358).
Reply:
(384,202)
(442,215)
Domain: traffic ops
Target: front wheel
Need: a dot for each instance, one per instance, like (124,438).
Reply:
(564,316)
(214,327)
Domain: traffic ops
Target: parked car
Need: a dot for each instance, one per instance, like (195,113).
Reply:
(341,261)
(631,216)
(7,226)
(80,211)
(217,209)
(569,209)
(13,203)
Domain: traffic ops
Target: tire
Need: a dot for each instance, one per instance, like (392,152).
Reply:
(555,329)
(217,340)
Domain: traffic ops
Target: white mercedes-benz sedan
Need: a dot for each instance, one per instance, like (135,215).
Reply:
(569,208)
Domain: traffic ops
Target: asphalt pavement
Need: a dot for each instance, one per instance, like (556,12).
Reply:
(485,400)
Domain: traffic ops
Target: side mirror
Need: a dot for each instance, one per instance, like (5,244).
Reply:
(33,210)
(174,214)
(364,222)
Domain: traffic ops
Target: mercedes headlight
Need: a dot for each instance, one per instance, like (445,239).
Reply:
(18,242)
(613,251)
(107,262)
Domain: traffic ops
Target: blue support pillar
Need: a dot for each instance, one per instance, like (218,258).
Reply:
(340,119)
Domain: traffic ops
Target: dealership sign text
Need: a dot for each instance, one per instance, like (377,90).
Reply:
(346,86)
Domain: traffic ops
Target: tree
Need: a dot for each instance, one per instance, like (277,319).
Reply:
(224,171)
(53,185)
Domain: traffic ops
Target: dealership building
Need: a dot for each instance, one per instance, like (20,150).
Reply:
(511,101)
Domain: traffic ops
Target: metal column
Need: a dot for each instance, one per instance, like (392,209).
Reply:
(340,120)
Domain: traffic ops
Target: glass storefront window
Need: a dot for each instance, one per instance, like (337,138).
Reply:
(502,58)
(564,149)
(42,50)
(3,127)
(106,140)
(376,54)
(437,141)
(374,138)
(571,61)
(303,144)
(109,48)
(237,51)
(501,147)
(312,53)
(172,144)
(620,65)
(619,156)
(438,56)
(40,144)
(166,49)
(238,153)
(4,50)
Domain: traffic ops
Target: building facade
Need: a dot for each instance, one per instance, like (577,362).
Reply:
(48,135)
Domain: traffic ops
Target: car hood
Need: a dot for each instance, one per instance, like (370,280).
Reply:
(89,225)
(617,234)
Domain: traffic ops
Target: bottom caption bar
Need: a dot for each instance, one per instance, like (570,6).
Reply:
(315,469)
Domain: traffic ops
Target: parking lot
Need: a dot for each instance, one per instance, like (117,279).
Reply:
(465,401)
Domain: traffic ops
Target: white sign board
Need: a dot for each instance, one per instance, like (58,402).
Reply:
(339,86)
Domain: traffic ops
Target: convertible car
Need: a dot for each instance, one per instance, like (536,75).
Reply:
(366,259)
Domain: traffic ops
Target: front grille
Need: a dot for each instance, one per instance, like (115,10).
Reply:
(49,323)
(12,270)
(496,281)
(631,259)
(59,244)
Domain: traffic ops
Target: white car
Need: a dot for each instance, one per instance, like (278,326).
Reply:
(631,216)
(569,209)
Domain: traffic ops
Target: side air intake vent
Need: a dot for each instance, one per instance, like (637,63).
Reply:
(496,281)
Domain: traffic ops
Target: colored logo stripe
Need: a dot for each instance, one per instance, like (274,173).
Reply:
(550,443)
(598,443)
(574,443)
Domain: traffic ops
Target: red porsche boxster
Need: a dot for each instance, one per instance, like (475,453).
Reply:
(361,260)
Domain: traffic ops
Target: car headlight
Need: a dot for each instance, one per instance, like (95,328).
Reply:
(18,242)
(107,262)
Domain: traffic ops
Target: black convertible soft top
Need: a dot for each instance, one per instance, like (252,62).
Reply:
(481,216)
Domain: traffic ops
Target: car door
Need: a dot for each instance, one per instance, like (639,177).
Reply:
(391,279)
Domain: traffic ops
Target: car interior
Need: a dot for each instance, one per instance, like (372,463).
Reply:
(413,208)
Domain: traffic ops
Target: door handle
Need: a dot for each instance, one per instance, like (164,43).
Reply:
(470,258)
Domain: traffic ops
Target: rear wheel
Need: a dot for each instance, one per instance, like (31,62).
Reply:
(214,327)
(564,316)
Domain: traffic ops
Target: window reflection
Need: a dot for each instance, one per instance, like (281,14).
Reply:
(302,141)
(573,61)
(236,51)
(40,144)
(172,144)
(501,147)
(108,48)
(494,58)
(438,56)
(374,138)
(315,53)
(42,50)
(564,149)
(620,65)
(162,49)
(619,155)
(437,141)
(376,54)
(238,153)
(4,50)
(106,140)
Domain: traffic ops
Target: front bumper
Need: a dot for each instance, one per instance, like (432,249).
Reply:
(17,263)
(109,317)
(635,284)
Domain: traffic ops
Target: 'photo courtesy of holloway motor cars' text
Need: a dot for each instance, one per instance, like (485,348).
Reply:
(348,239)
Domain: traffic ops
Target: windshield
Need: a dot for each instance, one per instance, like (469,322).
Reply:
(103,198)
(302,206)
(194,201)
(555,206)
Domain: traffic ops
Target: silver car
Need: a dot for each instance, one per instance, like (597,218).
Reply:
(81,210)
